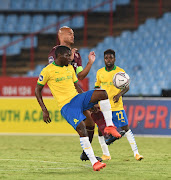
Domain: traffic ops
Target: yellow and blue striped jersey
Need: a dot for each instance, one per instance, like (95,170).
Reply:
(104,79)
(60,80)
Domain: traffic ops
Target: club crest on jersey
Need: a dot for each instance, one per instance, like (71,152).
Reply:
(40,78)
(51,59)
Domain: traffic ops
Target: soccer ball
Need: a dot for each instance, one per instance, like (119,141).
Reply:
(121,80)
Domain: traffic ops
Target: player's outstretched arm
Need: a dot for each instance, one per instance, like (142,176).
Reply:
(38,95)
(116,98)
(81,75)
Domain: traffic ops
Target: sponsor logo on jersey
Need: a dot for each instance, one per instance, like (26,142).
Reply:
(40,78)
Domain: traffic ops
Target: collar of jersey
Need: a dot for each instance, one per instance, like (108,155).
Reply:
(56,64)
(112,69)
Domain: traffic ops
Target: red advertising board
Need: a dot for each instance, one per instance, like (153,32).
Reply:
(25,86)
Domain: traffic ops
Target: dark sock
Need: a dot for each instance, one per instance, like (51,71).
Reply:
(90,130)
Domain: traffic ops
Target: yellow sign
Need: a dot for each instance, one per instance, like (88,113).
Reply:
(24,115)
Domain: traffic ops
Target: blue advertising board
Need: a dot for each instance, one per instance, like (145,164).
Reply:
(149,115)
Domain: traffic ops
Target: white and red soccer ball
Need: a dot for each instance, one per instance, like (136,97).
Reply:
(121,80)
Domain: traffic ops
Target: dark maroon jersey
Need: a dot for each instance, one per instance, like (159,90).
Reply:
(77,61)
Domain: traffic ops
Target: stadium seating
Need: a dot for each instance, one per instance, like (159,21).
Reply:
(27,42)
(16,48)
(49,20)
(30,5)
(57,5)
(4,41)
(4,5)
(17,5)
(10,24)
(28,23)
(43,5)
(145,56)
(23,25)
(77,22)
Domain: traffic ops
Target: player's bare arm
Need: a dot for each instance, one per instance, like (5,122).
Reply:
(77,87)
(38,95)
(116,98)
(81,75)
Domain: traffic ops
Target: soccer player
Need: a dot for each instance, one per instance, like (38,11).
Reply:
(104,79)
(62,81)
(66,38)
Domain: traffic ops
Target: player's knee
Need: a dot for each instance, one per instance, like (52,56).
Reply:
(81,129)
(125,128)
(89,122)
(104,95)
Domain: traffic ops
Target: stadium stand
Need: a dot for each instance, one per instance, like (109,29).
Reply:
(150,57)
(135,57)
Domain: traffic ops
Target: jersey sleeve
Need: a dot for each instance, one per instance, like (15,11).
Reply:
(97,83)
(43,77)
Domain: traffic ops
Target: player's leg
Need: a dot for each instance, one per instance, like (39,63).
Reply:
(90,130)
(132,142)
(73,113)
(101,95)
(104,146)
(87,148)
(98,118)
(89,125)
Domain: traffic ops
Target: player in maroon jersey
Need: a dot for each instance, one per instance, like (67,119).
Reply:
(66,38)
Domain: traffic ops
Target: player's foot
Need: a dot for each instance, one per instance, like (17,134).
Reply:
(138,157)
(110,139)
(84,157)
(104,157)
(98,165)
(112,130)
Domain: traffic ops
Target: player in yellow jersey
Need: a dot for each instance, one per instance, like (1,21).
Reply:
(62,81)
(104,79)
(66,38)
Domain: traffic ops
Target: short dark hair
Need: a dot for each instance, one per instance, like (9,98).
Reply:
(61,50)
(109,51)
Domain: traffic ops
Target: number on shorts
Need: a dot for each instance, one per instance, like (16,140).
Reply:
(120,116)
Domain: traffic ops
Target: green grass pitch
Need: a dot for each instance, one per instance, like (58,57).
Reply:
(57,158)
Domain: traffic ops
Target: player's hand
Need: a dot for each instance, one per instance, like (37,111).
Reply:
(46,117)
(116,98)
(92,57)
(74,50)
